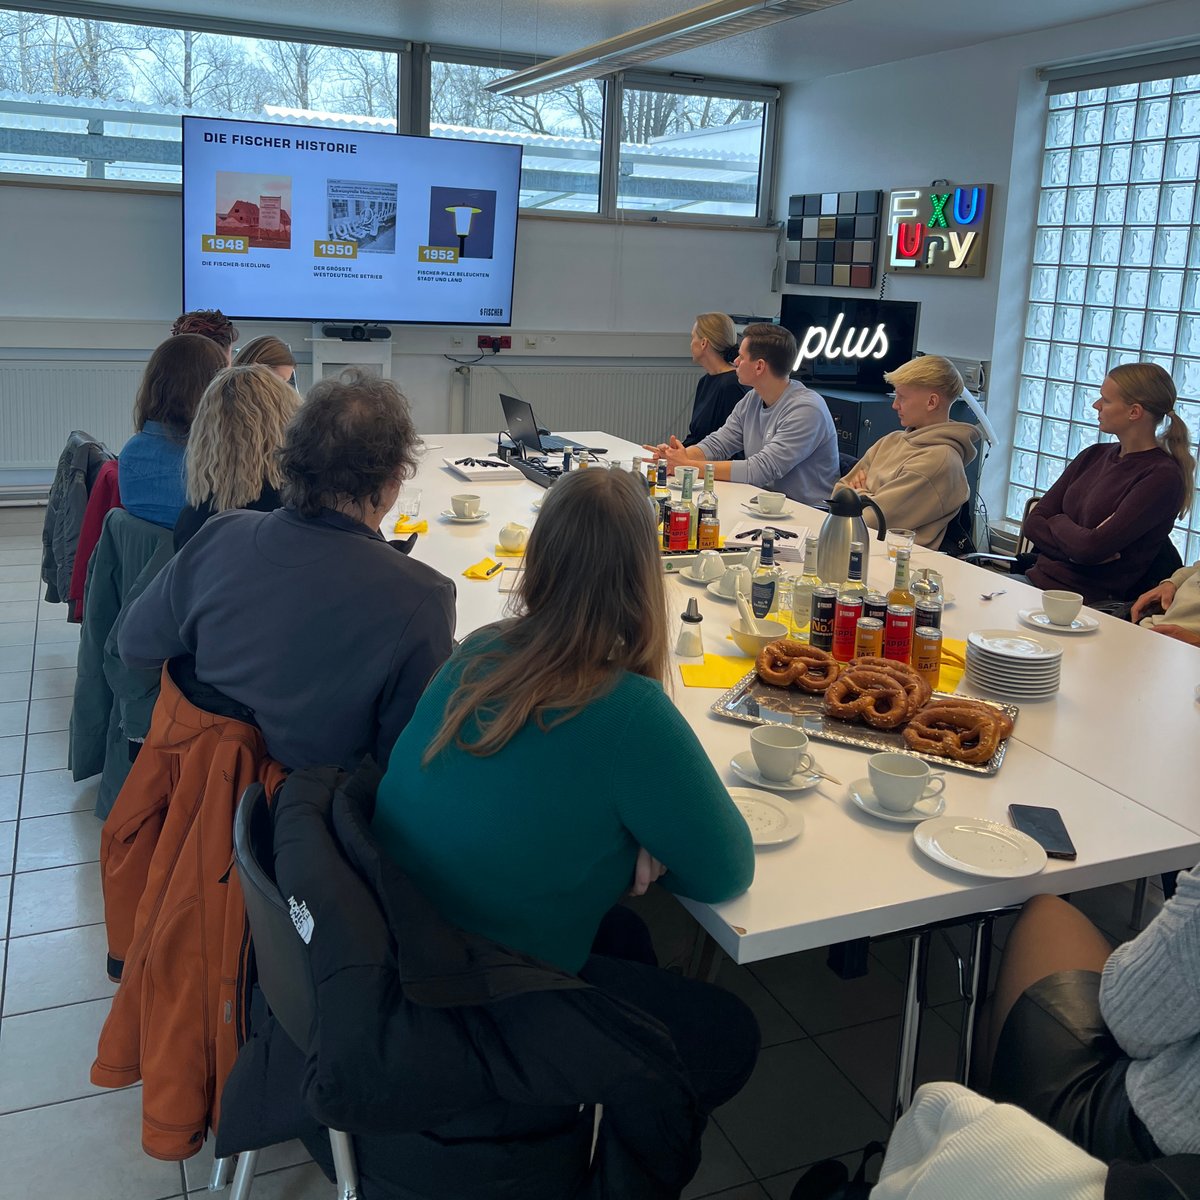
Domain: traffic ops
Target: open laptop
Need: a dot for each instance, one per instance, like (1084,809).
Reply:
(523,428)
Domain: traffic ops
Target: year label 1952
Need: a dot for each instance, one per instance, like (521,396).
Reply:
(335,249)
(437,254)
(223,243)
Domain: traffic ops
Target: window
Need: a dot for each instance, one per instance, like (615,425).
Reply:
(685,152)
(102,99)
(1116,271)
(560,130)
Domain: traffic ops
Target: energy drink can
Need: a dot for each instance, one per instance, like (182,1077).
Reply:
(824,609)
(898,632)
(868,640)
(927,653)
(845,622)
(929,613)
(875,606)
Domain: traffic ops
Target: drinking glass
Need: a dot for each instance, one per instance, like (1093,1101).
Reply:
(899,539)
(409,503)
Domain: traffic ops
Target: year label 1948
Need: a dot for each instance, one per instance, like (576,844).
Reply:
(223,243)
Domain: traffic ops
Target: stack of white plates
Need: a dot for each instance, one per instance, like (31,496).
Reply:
(1017,666)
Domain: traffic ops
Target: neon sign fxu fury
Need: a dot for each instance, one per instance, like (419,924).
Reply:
(940,232)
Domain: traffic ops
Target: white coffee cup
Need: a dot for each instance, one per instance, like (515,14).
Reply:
(513,536)
(708,565)
(680,472)
(1061,607)
(779,752)
(899,780)
(734,580)
(464,504)
(770,503)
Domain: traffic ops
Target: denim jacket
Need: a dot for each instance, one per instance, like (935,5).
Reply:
(150,471)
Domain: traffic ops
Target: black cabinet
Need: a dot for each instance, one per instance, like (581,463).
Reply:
(861,419)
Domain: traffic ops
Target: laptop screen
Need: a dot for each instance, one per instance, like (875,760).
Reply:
(522,426)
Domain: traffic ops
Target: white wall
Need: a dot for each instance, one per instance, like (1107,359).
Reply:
(96,274)
(972,116)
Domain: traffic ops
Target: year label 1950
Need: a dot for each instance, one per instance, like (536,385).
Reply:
(335,249)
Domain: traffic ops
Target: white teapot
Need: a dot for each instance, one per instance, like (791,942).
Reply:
(514,536)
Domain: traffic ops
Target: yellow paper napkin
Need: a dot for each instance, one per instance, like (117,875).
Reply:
(504,552)
(485,568)
(716,671)
(954,664)
(406,526)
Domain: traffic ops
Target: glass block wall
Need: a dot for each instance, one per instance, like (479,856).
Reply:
(1116,271)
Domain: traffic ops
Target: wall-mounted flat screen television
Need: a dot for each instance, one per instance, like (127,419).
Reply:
(312,223)
(850,343)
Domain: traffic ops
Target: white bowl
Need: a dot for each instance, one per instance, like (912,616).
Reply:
(753,643)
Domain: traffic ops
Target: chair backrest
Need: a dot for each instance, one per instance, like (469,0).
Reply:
(1024,544)
(959,538)
(279,954)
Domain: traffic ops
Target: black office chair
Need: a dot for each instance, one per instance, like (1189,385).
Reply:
(283,974)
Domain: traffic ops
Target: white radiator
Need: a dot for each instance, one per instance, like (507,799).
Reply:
(41,402)
(637,403)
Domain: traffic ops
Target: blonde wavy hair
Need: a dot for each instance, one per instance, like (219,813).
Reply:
(930,371)
(236,435)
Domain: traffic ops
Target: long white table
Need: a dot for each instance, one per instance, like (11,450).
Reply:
(1117,751)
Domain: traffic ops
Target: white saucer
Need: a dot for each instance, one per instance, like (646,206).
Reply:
(686,573)
(784,513)
(924,810)
(451,515)
(1009,645)
(772,821)
(1035,618)
(743,766)
(977,846)
(716,593)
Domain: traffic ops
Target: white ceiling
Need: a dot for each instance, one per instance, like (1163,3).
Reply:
(857,34)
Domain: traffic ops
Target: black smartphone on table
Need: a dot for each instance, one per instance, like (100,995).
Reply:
(1045,826)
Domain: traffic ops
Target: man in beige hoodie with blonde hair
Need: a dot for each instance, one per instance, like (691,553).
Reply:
(917,475)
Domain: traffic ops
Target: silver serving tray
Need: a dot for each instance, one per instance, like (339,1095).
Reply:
(758,703)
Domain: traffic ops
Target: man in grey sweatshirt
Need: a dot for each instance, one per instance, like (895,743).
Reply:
(782,428)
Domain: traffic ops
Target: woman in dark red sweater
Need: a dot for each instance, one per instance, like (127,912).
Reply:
(1098,529)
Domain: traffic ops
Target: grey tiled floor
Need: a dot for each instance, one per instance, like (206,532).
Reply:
(820,1088)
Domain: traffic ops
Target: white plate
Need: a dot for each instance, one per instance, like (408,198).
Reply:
(686,573)
(772,821)
(1009,644)
(1035,618)
(451,515)
(784,514)
(978,846)
(713,590)
(1012,674)
(744,767)
(924,810)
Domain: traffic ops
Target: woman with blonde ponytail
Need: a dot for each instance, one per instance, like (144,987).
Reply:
(1099,529)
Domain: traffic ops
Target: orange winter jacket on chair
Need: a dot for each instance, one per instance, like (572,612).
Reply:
(176,920)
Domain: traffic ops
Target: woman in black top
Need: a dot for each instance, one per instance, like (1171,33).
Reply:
(232,451)
(714,346)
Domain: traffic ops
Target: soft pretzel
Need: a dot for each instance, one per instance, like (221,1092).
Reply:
(916,686)
(963,730)
(869,695)
(788,663)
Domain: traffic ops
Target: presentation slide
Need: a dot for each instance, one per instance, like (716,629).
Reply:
(308,223)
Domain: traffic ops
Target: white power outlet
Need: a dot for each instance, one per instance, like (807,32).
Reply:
(456,339)
(531,343)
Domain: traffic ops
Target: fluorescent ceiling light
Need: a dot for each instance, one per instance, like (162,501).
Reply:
(673,35)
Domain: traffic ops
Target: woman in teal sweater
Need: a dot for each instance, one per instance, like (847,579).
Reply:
(545,772)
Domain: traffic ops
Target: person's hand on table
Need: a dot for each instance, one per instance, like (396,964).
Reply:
(656,452)
(1178,633)
(1161,595)
(646,871)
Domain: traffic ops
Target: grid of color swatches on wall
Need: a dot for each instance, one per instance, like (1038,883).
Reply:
(835,238)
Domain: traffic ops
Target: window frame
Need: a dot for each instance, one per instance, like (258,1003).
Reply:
(413,88)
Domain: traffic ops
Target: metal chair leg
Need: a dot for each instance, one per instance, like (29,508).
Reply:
(910,1023)
(344,1165)
(243,1177)
(218,1181)
(1137,916)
